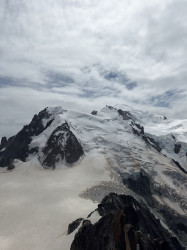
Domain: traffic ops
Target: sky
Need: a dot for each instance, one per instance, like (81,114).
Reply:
(85,54)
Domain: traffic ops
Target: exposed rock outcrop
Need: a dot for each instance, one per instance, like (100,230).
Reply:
(62,144)
(94,112)
(179,166)
(150,141)
(72,226)
(125,224)
(3,142)
(126,115)
(177,148)
(18,148)
(143,184)
(137,128)
(140,184)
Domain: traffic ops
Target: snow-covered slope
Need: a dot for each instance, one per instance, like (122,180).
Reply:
(117,149)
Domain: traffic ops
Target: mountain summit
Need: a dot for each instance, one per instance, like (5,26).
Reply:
(145,156)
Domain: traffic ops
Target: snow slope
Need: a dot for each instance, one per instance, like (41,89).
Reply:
(37,205)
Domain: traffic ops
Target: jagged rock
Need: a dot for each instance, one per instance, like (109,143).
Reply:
(18,146)
(141,184)
(11,166)
(179,166)
(94,112)
(110,107)
(61,144)
(177,148)
(137,128)
(173,137)
(175,222)
(138,182)
(126,115)
(72,226)
(152,142)
(3,142)
(125,225)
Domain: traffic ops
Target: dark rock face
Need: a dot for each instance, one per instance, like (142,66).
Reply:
(110,107)
(152,142)
(10,166)
(126,115)
(3,142)
(139,183)
(94,112)
(179,166)
(61,144)
(18,146)
(137,128)
(142,184)
(72,226)
(177,223)
(125,225)
(177,148)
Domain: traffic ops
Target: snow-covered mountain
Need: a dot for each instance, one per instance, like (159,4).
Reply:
(117,149)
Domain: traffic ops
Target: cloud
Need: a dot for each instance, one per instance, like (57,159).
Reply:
(165,99)
(92,53)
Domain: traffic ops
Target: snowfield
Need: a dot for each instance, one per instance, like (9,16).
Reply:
(37,205)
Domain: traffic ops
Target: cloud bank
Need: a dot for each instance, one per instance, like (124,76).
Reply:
(86,54)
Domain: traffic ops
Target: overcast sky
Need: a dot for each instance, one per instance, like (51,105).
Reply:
(85,54)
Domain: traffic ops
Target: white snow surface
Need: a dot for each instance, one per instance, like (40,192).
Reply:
(37,205)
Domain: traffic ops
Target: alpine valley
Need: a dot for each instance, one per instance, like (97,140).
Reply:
(110,180)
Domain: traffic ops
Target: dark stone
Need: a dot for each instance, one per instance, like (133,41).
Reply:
(11,166)
(33,150)
(140,184)
(94,112)
(110,107)
(176,223)
(165,118)
(61,144)
(126,115)
(72,226)
(150,141)
(137,128)
(73,149)
(18,146)
(177,148)
(125,225)
(179,166)
(3,142)
(142,130)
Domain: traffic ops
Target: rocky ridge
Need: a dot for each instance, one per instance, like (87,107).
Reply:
(61,144)
(125,224)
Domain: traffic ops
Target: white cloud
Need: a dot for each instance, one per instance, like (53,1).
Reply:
(144,40)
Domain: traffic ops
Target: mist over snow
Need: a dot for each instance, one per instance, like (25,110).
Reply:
(84,54)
